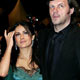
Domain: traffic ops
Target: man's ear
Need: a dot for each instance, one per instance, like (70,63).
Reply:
(33,37)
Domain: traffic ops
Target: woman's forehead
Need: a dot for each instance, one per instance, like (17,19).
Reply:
(20,28)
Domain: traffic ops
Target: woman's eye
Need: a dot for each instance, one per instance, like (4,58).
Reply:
(26,32)
(17,34)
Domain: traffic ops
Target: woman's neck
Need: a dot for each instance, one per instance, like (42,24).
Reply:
(25,53)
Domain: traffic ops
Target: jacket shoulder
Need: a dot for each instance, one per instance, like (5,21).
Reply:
(44,33)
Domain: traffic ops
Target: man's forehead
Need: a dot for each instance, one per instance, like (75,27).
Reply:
(59,1)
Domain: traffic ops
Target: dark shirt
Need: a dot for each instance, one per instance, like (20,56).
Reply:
(54,47)
(57,40)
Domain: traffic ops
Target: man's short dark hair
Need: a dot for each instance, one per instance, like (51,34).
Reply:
(72,4)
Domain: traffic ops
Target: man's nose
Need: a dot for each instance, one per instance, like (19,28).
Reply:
(55,9)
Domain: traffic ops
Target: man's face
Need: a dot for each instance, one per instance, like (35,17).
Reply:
(59,11)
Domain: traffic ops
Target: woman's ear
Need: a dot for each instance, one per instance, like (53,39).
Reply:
(33,37)
(71,10)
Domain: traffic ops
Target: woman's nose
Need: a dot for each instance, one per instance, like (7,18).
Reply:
(22,36)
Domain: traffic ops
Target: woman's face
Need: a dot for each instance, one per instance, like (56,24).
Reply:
(22,37)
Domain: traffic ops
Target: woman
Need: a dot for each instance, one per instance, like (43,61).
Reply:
(22,47)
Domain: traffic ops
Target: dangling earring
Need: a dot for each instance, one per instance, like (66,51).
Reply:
(15,46)
(32,42)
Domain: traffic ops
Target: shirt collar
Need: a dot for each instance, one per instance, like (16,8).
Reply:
(64,31)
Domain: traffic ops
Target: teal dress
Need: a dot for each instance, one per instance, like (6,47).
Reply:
(21,74)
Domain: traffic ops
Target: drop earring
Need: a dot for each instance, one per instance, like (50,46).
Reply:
(15,46)
(32,42)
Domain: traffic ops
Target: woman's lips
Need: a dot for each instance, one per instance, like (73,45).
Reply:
(22,42)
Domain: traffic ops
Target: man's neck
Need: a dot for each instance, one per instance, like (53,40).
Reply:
(60,27)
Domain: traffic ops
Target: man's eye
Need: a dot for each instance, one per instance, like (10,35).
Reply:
(51,6)
(61,6)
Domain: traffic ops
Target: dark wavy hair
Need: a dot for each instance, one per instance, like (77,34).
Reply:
(15,53)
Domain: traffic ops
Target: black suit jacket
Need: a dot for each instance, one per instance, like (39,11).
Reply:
(68,65)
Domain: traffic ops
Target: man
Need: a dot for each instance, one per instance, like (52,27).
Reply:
(60,46)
